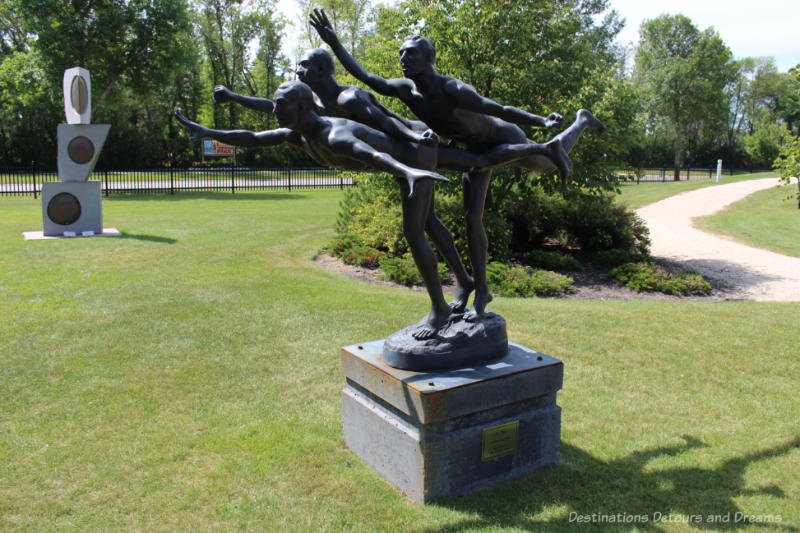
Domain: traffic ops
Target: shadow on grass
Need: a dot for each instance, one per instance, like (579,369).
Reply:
(192,195)
(583,485)
(149,238)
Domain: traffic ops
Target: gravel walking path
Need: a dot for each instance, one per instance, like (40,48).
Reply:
(744,272)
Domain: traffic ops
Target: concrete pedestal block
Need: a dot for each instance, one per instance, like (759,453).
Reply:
(443,433)
(71,206)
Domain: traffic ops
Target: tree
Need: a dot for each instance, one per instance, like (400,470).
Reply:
(132,40)
(683,73)
(230,30)
(350,18)
(30,107)
(788,162)
(13,36)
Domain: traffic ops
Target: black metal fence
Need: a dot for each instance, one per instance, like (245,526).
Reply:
(28,181)
(668,174)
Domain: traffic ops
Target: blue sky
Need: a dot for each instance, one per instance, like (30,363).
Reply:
(749,28)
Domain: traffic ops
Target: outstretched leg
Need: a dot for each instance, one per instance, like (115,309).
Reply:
(416,210)
(476,186)
(568,138)
(551,153)
(443,240)
(583,120)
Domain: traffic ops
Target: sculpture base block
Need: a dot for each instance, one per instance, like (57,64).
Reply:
(459,343)
(73,206)
(445,433)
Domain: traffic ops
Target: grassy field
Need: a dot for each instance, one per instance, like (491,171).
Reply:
(766,219)
(636,196)
(186,377)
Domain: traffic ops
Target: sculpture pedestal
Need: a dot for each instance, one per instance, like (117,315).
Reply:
(74,206)
(436,434)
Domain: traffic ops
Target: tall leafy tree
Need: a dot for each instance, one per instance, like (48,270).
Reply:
(242,43)
(683,72)
(13,37)
(351,19)
(788,162)
(30,107)
(135,41)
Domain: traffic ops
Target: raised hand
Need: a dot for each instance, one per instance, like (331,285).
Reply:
(553,119)
(319,20)
(198,131)
(221,94)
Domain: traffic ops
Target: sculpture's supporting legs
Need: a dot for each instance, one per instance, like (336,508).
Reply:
(416,211)
(476,186)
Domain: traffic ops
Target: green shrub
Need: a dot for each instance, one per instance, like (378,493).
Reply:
(372,210)
(649,276)
(519,280)
(617,256)
(343,243)
(552,261)
(521,217)
(588,221)
(597,223)
(401,270)
(533,215)
(404,271)
(364,256)
(450,210)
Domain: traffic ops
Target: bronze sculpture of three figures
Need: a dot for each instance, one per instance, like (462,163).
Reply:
(346,127)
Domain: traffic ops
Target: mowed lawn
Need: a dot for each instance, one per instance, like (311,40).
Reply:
(185,377)
(638,195)
(766,219)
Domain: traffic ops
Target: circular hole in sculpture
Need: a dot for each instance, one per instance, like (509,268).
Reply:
(80,150)
(64,209)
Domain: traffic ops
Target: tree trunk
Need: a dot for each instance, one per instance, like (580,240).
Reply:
(678,147)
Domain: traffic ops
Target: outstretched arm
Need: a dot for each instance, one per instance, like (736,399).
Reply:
(465,96)
(240,137)
(319,20)
(367,110)
(223,94)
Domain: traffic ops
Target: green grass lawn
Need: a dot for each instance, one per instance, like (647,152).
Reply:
(766,219)
(636,196)
(185,377)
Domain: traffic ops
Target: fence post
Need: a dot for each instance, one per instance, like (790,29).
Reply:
(688,176)
(341,182)
(290,179)
(232,179)
(172,176)
(33,171)
(105,175)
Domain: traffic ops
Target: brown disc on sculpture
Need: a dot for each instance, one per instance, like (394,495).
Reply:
(64,209)
(79,94)
(80,150)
